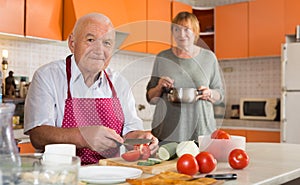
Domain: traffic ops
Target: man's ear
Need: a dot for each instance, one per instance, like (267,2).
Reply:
(71,42)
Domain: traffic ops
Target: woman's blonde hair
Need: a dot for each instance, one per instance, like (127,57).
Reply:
(184,17)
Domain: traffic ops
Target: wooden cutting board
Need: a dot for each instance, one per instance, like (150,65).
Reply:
(155,169)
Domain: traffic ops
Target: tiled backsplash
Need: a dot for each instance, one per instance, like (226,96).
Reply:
(254,77)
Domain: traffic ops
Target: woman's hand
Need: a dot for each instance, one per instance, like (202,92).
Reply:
(165,82)
(145,135)
(206,94)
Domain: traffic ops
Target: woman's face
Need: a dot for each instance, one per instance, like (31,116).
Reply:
(93,45)
(183,34)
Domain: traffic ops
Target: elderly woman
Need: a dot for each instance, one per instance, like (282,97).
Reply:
(185,66)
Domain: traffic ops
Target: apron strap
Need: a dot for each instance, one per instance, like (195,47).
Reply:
(68,71)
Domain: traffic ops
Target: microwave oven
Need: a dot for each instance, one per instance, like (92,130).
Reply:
(260,108)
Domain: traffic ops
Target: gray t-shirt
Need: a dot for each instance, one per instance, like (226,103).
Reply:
(185,121)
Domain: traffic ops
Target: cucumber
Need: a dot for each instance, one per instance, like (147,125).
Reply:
(155,160)
(146,163)
(167,151)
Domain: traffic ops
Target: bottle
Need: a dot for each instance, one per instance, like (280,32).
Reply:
(10,161)
(1,86)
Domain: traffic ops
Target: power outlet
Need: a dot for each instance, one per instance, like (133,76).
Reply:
(227,69)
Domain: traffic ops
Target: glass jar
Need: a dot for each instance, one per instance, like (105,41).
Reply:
(9,154)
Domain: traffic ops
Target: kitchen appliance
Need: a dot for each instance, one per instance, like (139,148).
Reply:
(260,108)
(290,95)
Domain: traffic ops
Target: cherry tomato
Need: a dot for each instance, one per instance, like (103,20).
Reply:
(206,162)
(238,159)
(144,151)
(132,155)
(220,134)
(187,164)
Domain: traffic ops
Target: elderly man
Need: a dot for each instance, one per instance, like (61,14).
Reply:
(80,100)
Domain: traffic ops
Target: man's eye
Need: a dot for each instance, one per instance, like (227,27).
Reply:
(108,43)
(90,40)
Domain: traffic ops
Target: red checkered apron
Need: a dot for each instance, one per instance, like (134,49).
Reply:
(81,112)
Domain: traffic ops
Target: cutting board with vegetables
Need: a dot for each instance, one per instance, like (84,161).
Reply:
(153,169)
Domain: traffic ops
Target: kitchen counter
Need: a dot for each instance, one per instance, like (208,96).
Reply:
(249,124)
(270,163)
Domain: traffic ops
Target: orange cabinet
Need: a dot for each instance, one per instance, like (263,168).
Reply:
(126,15)
(158,25)
(26,148)
(256,135)
(44,19)
(179,7)
(231,31)
(263,136)
(292,15)
(266,27)
(12,16)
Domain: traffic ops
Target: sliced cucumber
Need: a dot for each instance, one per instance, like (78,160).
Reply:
(155,160)
(167,151)
(146,163)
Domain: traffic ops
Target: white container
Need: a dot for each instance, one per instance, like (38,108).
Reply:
(221,148)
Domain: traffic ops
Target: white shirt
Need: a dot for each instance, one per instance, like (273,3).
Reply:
(45,101)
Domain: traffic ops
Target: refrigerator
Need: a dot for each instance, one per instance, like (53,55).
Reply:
(290,92)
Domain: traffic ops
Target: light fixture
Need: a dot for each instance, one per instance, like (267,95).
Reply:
(4,59)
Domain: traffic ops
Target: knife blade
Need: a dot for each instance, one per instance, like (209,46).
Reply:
(135,141)
(132,142)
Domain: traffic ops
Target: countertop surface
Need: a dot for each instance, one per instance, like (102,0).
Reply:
(249,124)
(270,163)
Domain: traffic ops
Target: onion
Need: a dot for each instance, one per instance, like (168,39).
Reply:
(187,147)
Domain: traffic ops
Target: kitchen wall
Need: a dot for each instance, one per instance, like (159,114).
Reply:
(254,77)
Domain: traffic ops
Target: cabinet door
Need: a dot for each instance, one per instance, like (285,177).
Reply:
(231,31)
(126,15)
(235,132)
(266,27)
(158,25)
(12,16)
(74,9)
(263,136)
(179,7)
(292,15)
(44,19)
(136,25)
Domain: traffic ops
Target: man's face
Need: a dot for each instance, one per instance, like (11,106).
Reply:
(92,45)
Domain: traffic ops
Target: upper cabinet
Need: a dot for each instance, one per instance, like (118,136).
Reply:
(266,27)
(231,31)
(44,19)
(206,22)
(158,25)
(12,16)
(255,28)
(292,15)
(180,7)
(126,15)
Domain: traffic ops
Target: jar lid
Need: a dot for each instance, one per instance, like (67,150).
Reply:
(7,108)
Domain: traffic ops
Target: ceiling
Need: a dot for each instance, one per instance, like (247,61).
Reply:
(211,3)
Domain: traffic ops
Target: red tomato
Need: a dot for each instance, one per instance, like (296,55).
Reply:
(144,150)
(206,162)
(187,164)
(238,159)
(220,134)
(132,155)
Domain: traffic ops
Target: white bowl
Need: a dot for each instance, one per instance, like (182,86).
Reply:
(221,148)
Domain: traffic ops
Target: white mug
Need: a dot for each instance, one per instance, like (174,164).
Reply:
(66,151)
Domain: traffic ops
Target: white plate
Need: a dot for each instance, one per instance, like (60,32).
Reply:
(107,174)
